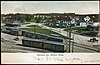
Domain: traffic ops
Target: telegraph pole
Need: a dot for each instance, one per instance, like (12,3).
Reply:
(70,38)
(99,29)
(68,47)
(73,44)
(34,27)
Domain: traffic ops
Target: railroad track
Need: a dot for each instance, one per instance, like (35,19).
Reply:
(85,46)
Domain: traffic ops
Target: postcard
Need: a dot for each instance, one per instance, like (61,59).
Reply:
(50,32)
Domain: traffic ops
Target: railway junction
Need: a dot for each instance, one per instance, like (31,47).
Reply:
(81,45)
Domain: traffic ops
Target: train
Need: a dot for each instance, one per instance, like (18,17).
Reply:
(34,35)
(49,45)
(12,31)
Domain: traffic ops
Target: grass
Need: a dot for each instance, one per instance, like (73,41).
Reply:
(35,28)
(82,31)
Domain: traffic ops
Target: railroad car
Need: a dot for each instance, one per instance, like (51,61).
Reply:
(25,33)
(36,35)
(41,36)
(50,45)
(16,32)
(52,38)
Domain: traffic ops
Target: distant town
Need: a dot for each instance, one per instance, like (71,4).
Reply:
(50,32)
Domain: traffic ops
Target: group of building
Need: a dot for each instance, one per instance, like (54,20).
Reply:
(59,19)
(69,18)
(11,21)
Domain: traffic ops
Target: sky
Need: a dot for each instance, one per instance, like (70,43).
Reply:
(32,7)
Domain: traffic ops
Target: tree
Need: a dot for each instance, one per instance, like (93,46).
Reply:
(89,28)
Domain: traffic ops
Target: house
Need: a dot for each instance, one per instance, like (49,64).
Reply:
(9,18)
(83,23)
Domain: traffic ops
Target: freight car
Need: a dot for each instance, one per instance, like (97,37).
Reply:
(29,34)
(36,35)
(26,33)
(52,38)
(33,34)
(16,32)
(4,30)
(12,31)
(7,29)
(41,36)
(50,45)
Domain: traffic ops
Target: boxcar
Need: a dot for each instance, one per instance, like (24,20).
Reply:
(59,48)
(25,33)
(7,30)
(36,35)
(51,45)
(24,42)
(47,45)
(41,36)
(55,46)
(48,37)
(32,35)
(32,42)
(51,38)
(37,43)
(16,32)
